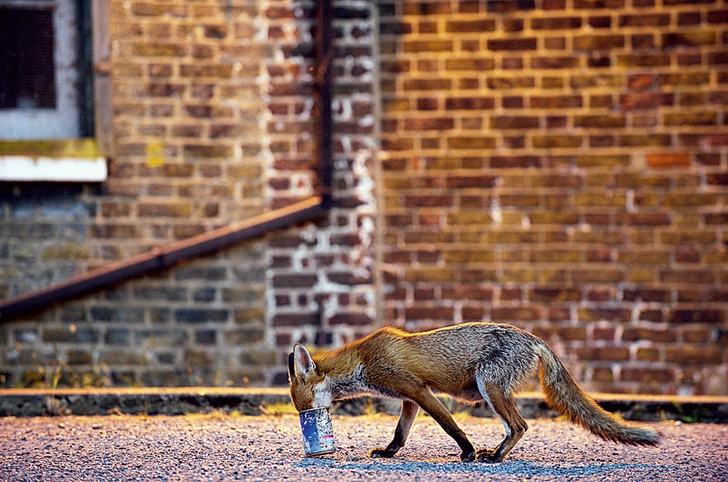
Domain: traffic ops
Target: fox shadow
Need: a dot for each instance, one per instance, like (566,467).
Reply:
(511,468)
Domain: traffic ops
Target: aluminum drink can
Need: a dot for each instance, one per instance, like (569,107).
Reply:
(318,432)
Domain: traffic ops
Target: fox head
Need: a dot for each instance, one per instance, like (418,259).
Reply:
(309,388)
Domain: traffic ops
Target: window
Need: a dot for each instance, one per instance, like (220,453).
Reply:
(47,107)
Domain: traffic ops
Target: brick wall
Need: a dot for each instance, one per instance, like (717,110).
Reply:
(561,165)
(557,164)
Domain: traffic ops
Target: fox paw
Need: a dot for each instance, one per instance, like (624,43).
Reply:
(468,457)
(381,453)
(488,456)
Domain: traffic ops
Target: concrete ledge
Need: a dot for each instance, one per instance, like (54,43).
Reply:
(256,401)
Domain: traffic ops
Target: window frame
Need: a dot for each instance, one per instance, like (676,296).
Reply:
(81,158)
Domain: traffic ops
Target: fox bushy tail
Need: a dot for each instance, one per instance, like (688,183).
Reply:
(568,398)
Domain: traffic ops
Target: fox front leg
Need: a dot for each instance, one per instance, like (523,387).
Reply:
(406,419)
(430,404)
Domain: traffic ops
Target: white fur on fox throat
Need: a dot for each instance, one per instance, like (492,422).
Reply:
(322,394)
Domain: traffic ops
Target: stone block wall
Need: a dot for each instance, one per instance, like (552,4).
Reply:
(189,152)
(561,165)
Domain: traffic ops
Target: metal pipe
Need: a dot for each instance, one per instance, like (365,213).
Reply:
(163,257)
(323,92)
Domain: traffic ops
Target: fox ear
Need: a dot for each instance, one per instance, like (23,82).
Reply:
(291,368)
(302,362)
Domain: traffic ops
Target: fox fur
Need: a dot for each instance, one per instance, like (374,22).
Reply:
(470,362)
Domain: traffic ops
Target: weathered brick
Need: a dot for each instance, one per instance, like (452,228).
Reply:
(201,315)
(690,119)
(599,4)
(117,336)
(117,314)
(67,334)
(512,44)
(557,141)
(469,64)
(169,337)
(431,84)
(555,23)
(517,314)
(464,142)
(598,42)
(159,50)
(644,20)
(351,319)
(689,39)
(556,101)
(78,357)
(547,63)
(643,60)
(514,122)
(204,273)
(470,26)
(606,353)
(696,316)
(415,46)
(646,100)
(167,209)
(469,103)
(295,280)
(647,375)
(693,354)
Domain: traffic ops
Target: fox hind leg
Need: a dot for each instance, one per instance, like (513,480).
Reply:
(504,406)
(406,419)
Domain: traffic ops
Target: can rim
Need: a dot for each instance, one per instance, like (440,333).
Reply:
(321,452)
(313,409)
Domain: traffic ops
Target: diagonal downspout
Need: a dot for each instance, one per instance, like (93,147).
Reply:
(163,257)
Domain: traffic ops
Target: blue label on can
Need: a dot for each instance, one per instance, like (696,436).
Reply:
(318,433)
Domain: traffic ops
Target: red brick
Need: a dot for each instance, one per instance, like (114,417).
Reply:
(469,103)
(512,44)
(556,23)
(643,60)
(607,353)
(646,100)
(564,62)
(668,160)
(697,316)
(514,122)
(598,42)
(644,20)
(470,26)
(429,313)
(514,314)
(600,121)
(647,375)
(688,39)
(556,101)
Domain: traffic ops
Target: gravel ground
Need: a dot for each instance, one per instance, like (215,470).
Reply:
(224,447)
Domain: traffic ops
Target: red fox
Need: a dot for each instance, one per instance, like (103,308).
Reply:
(470,362)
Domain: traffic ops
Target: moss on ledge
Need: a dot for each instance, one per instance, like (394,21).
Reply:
(54,148)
